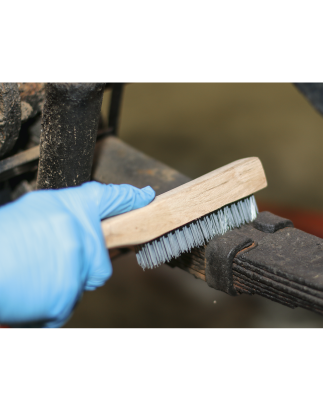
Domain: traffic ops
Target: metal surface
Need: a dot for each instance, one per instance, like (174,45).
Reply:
(116,162)
(27,160)
(267,257)
(314,94)
(270,223)
(70,123)
(32,97)
(221,252)
(285,266)
(19,163)
(115,105)
(10,116)
(219,255)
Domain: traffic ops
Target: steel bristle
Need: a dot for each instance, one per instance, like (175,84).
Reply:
(197,233)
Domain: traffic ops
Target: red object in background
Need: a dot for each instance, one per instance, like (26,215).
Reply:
(306,220)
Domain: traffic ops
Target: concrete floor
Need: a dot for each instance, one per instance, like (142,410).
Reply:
(196,128)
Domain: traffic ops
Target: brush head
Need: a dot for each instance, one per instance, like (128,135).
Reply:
(197,233)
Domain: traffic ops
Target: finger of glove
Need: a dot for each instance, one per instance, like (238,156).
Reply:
(117,199)
(96,255)
(100,269)
(107,200)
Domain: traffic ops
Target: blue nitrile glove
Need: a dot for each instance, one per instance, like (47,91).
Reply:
(52,248)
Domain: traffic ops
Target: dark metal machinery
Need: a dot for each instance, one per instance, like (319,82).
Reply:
(69,129)
(268,257)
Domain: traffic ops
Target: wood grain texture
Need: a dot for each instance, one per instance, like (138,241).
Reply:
(185,203)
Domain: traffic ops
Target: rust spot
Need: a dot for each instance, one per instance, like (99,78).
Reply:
(253,245)
(30,89)
(167,174)
(148,172)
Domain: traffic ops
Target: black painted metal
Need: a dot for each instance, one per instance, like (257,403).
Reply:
(280,262)
(314,94)
(70,123)
(219,255)
(115,105)
(270,223)
(10,116)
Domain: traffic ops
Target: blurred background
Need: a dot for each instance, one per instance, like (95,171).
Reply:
(196,128)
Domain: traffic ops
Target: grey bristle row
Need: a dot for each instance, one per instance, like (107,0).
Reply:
(197,233)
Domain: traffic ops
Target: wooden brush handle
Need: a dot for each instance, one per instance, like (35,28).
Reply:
(185,203)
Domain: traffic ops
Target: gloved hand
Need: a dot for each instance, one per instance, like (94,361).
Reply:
(52,248)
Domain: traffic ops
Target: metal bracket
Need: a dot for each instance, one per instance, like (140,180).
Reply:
(219,257)
(279,262)
(221,250)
